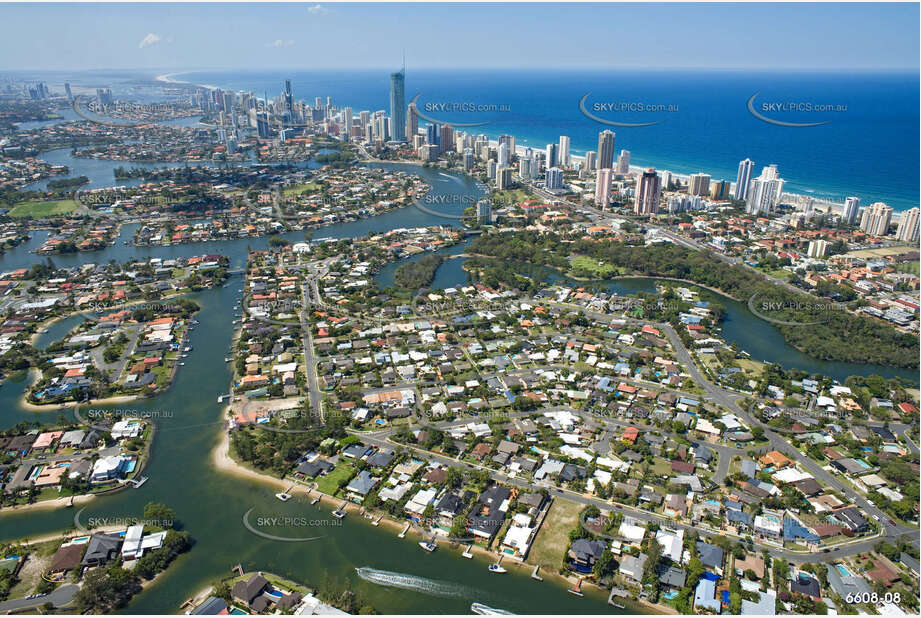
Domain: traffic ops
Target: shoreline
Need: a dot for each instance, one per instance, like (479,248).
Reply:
(822,202)
(225,463)
(54,503)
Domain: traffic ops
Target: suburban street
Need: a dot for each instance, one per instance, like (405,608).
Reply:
(712,392)
(59,597)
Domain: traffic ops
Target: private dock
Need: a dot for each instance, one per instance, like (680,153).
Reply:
(138,482)
(577,589)
(317,499)
(402,535)
(467,553)
(534,574)
(616,592)
(340,512)
(377,522)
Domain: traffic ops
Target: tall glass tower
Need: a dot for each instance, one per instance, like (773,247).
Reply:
(398,105)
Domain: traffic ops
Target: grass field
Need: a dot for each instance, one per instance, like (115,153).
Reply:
(877,253)
(582,265)
(329,484)
(511,197)
(553,538)
(296,190)
(750,367)
(38,210)
(909,267)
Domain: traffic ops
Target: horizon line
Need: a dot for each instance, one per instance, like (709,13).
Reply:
(889,69)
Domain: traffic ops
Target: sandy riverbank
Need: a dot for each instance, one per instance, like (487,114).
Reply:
(32,407)
(55,503)
(224,462)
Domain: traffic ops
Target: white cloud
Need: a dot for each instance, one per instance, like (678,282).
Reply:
(317,9)
(280,43)
(149,40)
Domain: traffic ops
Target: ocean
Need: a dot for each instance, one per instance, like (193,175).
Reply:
(867,146)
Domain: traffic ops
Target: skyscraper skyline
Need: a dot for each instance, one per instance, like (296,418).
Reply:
(764,191)
(602,188)
(398,104)
(908,226)
(743,179)
(648,192)
(851,206)
(605,151)
(876,219)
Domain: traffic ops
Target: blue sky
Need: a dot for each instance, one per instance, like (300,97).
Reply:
(310,35)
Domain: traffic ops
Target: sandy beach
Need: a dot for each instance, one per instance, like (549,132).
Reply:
(224,462)
(32,407)
(56,503)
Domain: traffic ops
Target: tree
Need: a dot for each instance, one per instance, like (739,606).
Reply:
(454,477)
(604,565)
(106,589)
(160,515)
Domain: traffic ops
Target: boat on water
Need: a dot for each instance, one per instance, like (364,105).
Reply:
(283,496)
(339,514)
(188,348)
(497,568)
(486,610)
(429,545)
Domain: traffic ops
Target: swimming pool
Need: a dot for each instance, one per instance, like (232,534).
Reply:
(842,570)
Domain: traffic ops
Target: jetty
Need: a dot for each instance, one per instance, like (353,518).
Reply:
(340,512)
(577,589)
(616,593)
(467,553)
(402,534)
(377,522)
(534,574)
(317,499)
(138,482)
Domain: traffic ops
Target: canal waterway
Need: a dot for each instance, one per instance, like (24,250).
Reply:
(212,504)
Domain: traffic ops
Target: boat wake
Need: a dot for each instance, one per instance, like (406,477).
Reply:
(415,583)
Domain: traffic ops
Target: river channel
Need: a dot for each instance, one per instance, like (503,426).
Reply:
(211,504)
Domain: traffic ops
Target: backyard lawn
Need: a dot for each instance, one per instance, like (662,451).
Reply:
(553,539)
(329,484)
